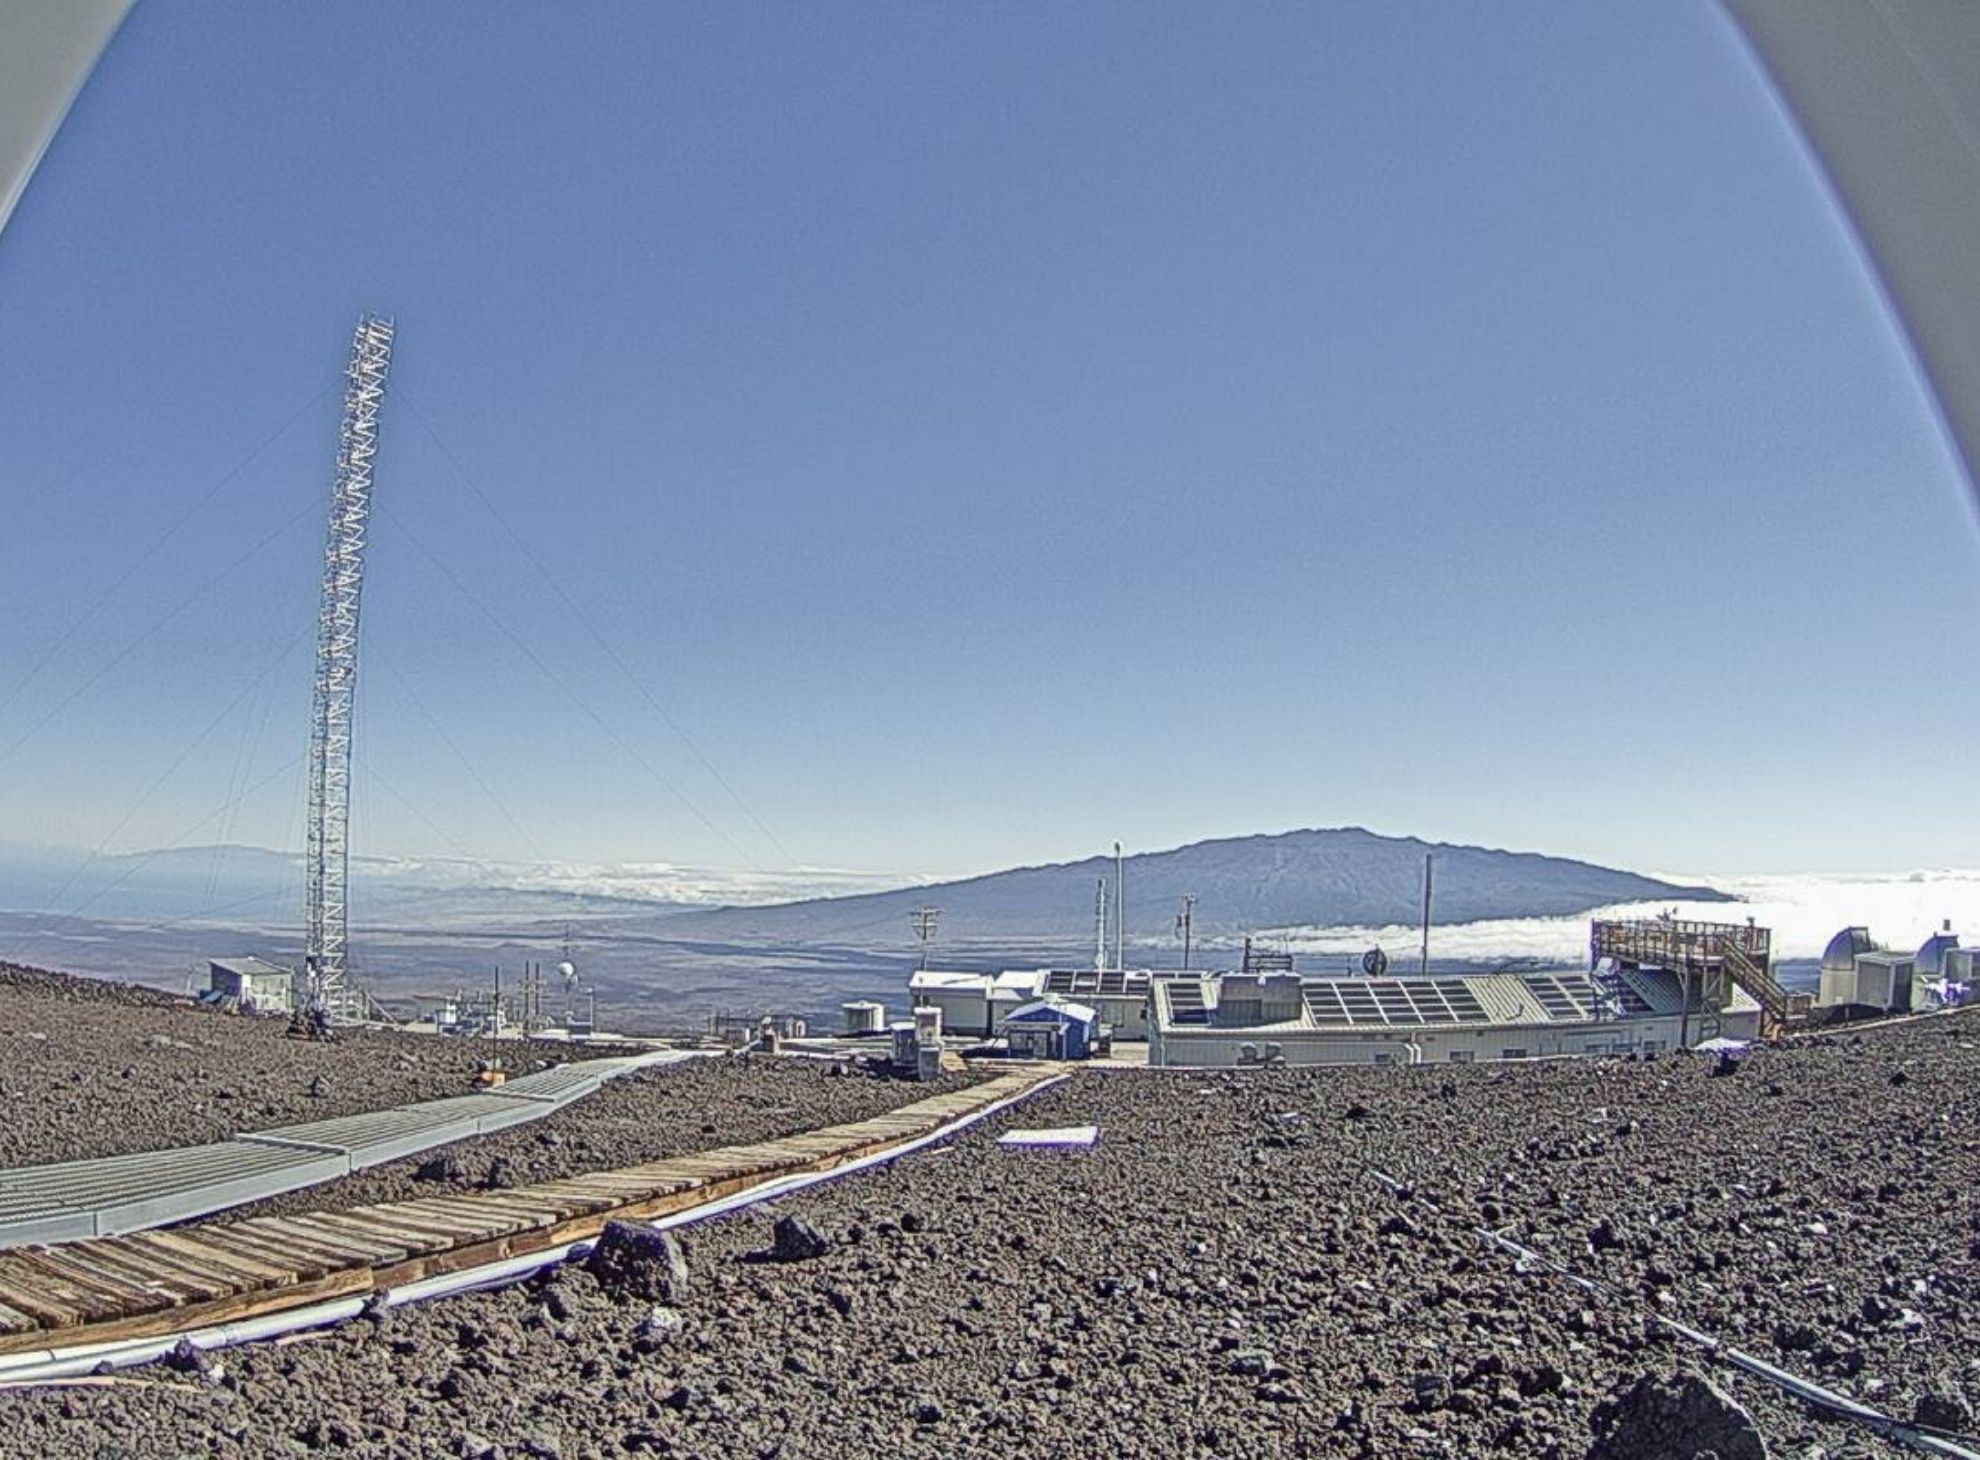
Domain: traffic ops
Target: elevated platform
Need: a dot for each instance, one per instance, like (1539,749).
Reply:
(1709,960)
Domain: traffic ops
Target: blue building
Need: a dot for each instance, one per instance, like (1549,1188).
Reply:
(1053,1029)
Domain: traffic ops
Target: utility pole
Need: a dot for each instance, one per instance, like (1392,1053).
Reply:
(1425,967)
(1120,908)
(1185,924)
(924,920)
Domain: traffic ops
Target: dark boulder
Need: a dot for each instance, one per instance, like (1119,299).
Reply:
(632,1261)
(1674,1417)
(796,1240)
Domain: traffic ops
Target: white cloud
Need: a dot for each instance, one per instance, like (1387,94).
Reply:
(639,881)
(1900,909)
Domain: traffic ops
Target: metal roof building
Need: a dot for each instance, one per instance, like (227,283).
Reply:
(253,983)
(977,1004)
(1432,1020)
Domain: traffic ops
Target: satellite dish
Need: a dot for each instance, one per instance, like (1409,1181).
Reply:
(1374,963)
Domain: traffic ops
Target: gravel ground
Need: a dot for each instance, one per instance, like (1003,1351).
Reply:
(1219,1276)
(90,1068)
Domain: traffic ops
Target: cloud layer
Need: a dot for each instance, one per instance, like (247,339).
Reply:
(1900,909)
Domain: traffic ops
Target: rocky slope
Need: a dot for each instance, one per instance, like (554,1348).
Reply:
(1224,1274)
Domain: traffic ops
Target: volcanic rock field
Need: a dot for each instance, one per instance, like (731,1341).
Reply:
(1245,1264)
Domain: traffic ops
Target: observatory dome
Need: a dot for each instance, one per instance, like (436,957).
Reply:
(1932,952)
(1840,955)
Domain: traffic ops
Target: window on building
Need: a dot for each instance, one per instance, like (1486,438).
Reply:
(1462,1057)
(1512,1054)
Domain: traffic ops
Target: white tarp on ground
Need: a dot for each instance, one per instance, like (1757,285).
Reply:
(1888,94)
(47,50)
(1737,1047)
(1055,1138)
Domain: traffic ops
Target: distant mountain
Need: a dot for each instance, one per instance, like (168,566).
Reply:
(254,884)
(1242,884)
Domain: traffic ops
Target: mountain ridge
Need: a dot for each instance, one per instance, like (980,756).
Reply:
(1303,877)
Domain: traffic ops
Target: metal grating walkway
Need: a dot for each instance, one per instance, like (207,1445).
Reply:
(118,1194)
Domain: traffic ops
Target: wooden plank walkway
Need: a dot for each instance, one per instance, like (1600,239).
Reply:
(147,1284)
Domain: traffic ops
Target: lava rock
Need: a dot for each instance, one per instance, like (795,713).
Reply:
(1675,1417)
(1943,1409)
(796,1240)
(188,1357)
(444,1167)
(631,1261)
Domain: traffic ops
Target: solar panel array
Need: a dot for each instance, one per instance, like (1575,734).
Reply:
(1390,1001)
(1565,999)
(1095,981)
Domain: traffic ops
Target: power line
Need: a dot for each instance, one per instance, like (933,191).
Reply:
(557,587)
(371,776)
(565,688)
(166,775)
(98,600)
(138,864)
(438,729)
(152,626)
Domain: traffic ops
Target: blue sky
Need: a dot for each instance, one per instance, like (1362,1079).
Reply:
(934,438)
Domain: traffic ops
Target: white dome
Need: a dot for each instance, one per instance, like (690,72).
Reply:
(1840,955)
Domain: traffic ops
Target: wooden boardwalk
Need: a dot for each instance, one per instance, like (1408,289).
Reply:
(147,1284)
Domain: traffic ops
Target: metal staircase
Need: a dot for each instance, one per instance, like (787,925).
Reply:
(1758,982)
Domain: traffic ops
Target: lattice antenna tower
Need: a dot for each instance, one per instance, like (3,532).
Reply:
(327,868)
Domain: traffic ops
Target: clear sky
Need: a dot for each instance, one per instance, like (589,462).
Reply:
(930,438)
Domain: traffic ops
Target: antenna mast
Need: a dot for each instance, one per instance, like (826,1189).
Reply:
(1424,966)
(1100,925)
(327,861)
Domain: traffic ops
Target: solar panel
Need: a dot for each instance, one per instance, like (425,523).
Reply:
(1559,999)
(1426,998)
(1359,1003)
(1325,1004)
(1394,1004)
(1059,981)
(1464,1004)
